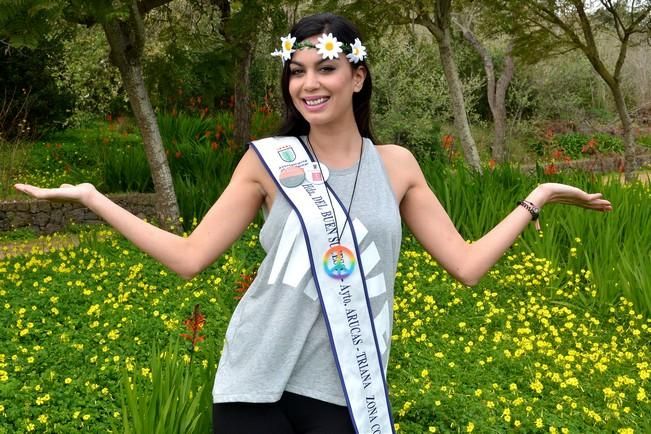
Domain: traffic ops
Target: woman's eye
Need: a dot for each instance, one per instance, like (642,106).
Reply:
(295,71)
(328,68)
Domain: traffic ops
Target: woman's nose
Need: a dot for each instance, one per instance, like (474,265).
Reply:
(311,80)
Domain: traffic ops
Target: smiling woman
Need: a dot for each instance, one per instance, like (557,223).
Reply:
(307,348)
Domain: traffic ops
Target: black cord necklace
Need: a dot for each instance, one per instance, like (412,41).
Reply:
(352,195)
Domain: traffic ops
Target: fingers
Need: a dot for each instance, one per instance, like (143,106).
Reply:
(25,188)
(36,192)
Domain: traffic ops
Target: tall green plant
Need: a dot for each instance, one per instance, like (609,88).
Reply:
(177,400)
(614,247)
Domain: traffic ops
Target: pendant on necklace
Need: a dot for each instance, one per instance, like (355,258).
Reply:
(339,262)
(317,172)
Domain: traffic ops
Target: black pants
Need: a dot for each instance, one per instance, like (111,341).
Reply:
(293,414)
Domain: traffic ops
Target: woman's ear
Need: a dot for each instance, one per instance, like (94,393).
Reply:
(359,75)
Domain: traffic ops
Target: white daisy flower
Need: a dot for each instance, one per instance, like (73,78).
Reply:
(288,46)
(357,52)
(328,46)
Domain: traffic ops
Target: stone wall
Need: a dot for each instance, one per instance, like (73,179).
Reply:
(46,217)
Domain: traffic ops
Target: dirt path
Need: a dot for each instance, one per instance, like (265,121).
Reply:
(20,248)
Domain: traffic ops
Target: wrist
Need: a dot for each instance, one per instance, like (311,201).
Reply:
(89,195)
(539,196)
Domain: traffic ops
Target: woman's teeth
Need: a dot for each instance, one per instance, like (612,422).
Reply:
(315,101)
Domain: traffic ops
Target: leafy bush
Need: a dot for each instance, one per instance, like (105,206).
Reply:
(410,94)
(572,143)
(644,141)
(33,103)
(86,72)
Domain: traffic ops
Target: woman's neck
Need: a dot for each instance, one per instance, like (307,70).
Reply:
(338,149)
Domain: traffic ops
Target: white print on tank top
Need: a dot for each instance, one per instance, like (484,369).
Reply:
(292,251)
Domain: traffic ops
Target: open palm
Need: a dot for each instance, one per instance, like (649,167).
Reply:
(66,192)
(569,195)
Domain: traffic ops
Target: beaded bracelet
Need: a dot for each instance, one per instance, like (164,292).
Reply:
(533,210)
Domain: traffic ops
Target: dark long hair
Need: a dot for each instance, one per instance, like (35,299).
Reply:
(294,124)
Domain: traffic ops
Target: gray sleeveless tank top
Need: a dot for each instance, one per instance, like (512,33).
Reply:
(277,338)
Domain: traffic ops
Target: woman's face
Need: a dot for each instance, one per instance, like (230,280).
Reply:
(322,89)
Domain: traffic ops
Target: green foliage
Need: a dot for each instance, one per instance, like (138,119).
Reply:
(122,162)
(410,93)
(203,156)
(615,254)
(114,308)
(200,151)
(499,350)
(174,400)
(32,101)
(564,88)
(87,73)
(523,351)
(186,58)
(644,140)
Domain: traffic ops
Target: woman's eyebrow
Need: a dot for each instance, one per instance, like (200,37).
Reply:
(300,64)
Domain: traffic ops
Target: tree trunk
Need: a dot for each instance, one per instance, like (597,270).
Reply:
(242,103)
(627,130)
(498,109)
(126,49)
(495,90)
(456,99)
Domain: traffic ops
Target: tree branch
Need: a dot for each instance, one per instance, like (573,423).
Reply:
(619,25)
(551,17)
(489,67)
(429,25)
(138,28)
(144,6)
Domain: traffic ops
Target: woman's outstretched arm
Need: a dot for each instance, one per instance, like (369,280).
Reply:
(432,227)
(222,225)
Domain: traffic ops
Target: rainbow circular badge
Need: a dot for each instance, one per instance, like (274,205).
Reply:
(339,262)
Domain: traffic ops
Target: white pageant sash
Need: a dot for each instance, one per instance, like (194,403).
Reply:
(339,279)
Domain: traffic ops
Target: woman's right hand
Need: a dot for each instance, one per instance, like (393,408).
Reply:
(67,192)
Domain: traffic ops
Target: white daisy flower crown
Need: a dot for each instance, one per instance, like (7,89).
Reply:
(327,46)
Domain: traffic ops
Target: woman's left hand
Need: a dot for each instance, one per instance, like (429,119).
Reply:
(561,193)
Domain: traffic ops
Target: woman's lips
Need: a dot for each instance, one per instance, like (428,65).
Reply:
(315,103)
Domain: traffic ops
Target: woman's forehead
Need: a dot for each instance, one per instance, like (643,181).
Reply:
(311,56)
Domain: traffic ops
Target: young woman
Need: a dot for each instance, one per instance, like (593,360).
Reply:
(307,347)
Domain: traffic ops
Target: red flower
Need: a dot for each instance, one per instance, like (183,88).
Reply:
(243,284)
(178,154)
(558,154)
(590,147)
(551,169)
(491,164)
(194,324)
(214,146)
(448,141)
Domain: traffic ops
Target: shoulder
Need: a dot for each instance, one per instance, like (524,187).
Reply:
(395,151)
(401,167)
(397,158)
